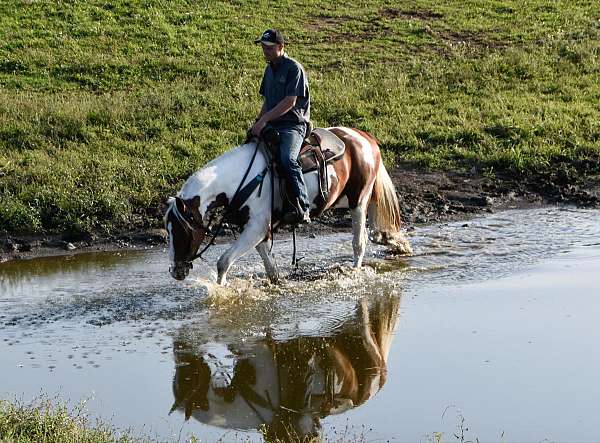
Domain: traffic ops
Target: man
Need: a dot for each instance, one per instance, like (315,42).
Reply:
(286,108)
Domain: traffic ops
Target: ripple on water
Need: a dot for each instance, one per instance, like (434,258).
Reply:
(497,245)
(136,290)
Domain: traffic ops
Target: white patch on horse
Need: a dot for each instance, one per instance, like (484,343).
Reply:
(365,145)
(359,237)
(207,176)
(333,180)
(201,179)
(311,180)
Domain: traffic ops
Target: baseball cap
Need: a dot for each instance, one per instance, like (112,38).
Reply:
(271,37)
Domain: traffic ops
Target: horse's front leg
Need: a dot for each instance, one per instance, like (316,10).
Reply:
(252,235)
(268,260)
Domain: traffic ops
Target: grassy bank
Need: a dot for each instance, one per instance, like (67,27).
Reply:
(48,424)
(45,422)
(106,106)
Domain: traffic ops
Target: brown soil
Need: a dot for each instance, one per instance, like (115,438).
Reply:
(425,197)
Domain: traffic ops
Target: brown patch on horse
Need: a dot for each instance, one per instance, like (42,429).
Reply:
(354,170)
(269,235)
(369,137)
(187,233)
(193,208)
(342,172)
(219,201)
(239,217)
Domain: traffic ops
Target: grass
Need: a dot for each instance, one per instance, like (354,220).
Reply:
(106,106)
(45,423)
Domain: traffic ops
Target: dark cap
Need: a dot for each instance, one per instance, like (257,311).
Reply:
(271,37)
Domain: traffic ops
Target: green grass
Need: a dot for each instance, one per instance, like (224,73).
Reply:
(44,423)
(106,106)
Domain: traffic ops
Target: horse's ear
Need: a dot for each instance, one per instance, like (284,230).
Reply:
(180,205)
(195,202)
(194,205)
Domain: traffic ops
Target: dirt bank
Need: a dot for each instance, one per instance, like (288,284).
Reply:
(425,197)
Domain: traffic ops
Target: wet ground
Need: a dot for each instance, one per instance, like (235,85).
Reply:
(493,321)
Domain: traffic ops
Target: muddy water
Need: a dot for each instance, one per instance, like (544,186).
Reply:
(492,324)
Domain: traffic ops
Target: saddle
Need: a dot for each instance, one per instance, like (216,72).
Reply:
(320,148)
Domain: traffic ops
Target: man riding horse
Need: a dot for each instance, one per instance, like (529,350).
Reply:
(348,173)
(286,108)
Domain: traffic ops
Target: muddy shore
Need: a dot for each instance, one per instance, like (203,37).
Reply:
(425,197)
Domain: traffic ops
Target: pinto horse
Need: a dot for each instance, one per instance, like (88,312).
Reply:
(358,181)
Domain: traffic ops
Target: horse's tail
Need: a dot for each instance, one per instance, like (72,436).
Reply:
(384,203)
(384,214)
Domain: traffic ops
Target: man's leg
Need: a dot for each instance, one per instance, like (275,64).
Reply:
(291,142)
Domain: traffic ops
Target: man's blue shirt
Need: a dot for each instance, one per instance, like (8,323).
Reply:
(286,77)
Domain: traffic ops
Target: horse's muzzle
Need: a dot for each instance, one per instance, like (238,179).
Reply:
(181,270)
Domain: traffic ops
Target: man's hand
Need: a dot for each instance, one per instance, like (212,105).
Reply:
(281,108)
(258,127)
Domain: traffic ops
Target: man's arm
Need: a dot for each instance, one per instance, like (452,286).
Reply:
(263,110)
(281,108)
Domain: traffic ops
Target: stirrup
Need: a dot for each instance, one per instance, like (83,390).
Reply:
(296,218)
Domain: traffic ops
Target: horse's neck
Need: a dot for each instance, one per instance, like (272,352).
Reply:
(222,175)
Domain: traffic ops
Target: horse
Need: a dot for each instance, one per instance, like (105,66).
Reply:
(286,386)
(358,181)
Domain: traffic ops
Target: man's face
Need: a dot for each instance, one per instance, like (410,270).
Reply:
(272,52)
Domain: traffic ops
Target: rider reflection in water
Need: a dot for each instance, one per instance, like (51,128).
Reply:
(286,108)
(286,387)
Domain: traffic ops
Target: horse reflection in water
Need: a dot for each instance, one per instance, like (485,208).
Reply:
(284,387)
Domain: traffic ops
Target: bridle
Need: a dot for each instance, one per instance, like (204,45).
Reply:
(192,228)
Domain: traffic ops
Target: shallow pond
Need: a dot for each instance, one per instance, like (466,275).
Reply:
(492,326)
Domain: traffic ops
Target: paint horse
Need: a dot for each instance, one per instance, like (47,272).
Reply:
(358,181)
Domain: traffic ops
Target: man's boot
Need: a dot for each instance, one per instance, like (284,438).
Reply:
(296,215)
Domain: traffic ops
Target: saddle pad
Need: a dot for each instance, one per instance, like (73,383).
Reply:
(331,148)
(328,141)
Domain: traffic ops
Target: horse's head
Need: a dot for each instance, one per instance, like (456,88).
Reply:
(186,231)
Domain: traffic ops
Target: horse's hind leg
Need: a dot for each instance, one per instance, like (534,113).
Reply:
(359,233)
(268,260)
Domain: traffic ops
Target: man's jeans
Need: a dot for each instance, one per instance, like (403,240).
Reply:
(292,136)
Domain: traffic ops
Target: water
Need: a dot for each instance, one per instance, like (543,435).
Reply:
(491,324)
